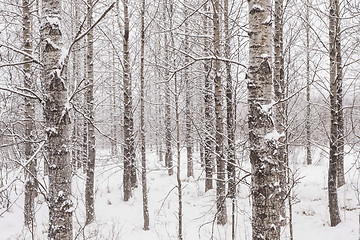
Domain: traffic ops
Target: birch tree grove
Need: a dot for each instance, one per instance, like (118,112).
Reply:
(57,123)
(263,136)
(188,120)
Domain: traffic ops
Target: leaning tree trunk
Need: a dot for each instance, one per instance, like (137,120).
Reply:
(142,120)
(208,116)
(339,83)
(90,167)
(334,128)
(57,123)
(279,89)
(129,151)
(219,137)
(30,173)
(263,136)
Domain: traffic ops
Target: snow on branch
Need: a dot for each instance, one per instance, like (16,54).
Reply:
(66,53)
(22,52)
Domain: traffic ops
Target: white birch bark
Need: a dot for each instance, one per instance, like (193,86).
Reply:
(219,135)
(142,120)
(90,166)
(30,174)
(57,123)
(208,113)
(334,127)
(263,137)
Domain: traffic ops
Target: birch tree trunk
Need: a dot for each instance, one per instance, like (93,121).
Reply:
(263,136)
(339,83)
(219,136)
(178,171)
(279,89)
(129,151)
(208,102)
(84,150)
(168,150)
(229,106)
(189,140)
(308,103)
(90,169)
(334,128)
(57,123)
(76,79)
(113,114)
(142,120)
(30,174)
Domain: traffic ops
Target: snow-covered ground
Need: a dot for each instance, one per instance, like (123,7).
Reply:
(116,219)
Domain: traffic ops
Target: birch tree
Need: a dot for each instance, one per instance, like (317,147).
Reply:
(308,82)
(219,137)
(168,9)
(208,102)
(30,174)
(263,136)
(178,168)
(90,166)
(142,120)
(339,95)
(189,139)
(129,148)
(75,81)
(229,106)
(334,127)
(57,123)
(279,89)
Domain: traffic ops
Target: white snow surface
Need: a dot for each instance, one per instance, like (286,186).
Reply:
(116,219)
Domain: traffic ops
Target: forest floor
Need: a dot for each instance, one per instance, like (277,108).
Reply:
(116,219)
